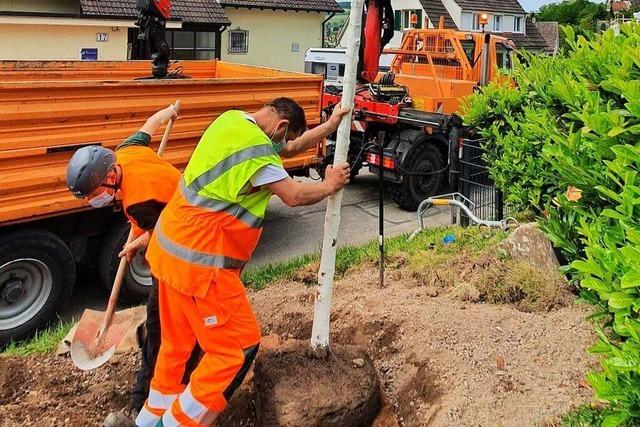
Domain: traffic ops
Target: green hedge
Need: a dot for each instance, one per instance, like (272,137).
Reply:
(563,140)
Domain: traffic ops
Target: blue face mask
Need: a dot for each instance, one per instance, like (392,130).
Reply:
(278,146)
(101,200)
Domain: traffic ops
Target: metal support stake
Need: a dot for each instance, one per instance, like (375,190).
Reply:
(381,137)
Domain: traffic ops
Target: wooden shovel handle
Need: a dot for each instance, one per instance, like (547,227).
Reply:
(122,267)
(115,290)
(167,131)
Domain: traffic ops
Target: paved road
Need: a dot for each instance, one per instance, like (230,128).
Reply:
(291,232)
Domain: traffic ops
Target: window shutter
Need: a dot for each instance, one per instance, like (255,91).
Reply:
(419,13)
(397,21)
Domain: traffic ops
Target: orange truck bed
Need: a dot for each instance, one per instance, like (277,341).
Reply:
(49,109)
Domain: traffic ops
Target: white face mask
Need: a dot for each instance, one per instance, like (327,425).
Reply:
(102,199)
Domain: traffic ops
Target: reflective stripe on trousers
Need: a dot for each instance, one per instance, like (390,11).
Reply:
(156,405)
(187,410)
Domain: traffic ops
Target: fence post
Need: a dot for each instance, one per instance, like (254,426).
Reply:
(499,205)
(464,184)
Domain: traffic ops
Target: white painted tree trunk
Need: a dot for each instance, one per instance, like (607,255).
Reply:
(322,309)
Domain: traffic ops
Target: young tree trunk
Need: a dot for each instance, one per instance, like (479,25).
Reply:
(322,309)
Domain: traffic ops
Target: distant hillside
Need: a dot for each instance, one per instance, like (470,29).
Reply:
(344,4)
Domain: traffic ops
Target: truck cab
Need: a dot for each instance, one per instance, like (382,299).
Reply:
(415,107)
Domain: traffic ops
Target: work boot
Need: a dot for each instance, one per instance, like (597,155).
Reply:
(126,417)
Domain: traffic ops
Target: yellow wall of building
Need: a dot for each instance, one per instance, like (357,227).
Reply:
(271,35)
(60,42)
(43,6)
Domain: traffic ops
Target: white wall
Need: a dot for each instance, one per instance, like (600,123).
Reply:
(271,36)
(42,6)
(59,42)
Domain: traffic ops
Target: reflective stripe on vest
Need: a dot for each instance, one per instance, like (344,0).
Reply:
(192,256)
(225,165)
(213,205)
(213,222)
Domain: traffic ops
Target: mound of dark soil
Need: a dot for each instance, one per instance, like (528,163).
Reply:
(295,388)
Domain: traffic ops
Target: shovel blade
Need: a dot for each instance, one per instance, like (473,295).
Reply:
(90,351)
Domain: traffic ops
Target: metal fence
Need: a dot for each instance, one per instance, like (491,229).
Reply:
(475,184)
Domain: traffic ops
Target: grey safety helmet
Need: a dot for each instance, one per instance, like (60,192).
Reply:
(88,168)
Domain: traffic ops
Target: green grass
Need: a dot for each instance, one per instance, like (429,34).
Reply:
(46,341)
(349,256)
(584,416)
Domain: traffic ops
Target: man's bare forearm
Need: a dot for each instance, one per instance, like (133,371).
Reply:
(154,122)
(308,140)
(310,194)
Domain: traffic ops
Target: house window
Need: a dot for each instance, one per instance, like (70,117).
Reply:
(402,19)
(205,45)
(476,22)
(238,41)
(192,44)
(497,23)
(517,24)
(183,46)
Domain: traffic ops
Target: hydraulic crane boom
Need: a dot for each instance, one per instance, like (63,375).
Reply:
(153,23)
(378,31)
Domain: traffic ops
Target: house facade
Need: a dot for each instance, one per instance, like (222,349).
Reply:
(274,33)
(269,33)
(505,17)
(103,30)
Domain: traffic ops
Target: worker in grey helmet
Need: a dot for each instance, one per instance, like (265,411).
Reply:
(142,182)
(88,172)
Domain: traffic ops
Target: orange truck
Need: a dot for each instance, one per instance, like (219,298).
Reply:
(50,109)
(414,107)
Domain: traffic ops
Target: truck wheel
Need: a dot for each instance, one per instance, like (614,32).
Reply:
(37,274)
(415,188)
(137,279)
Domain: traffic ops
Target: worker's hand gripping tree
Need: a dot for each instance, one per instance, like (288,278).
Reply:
(322,310)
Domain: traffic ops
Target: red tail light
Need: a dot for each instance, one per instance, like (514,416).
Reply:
(387,162)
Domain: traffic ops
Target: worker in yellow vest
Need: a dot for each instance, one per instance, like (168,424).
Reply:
(142,183)
(203,239)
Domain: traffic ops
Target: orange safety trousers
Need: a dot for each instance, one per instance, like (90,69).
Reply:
(229,335)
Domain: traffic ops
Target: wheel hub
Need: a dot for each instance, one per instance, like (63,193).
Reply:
(13,290)
(25,287)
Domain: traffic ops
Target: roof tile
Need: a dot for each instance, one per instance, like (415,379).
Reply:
(197,11)
(303,5)
(511,6)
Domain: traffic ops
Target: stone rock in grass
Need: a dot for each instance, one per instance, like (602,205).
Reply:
(530,245)
(296,389)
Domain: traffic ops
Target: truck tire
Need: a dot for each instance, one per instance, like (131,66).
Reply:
(37,275)
(414,189)
(137,279)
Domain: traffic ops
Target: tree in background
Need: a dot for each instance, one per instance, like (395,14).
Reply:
(582,15)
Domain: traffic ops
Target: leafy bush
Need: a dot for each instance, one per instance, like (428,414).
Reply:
(563,141)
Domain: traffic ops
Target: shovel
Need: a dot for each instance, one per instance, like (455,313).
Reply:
(98,334)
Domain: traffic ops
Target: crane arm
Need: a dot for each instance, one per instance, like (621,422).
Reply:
(152,21)
(378,31)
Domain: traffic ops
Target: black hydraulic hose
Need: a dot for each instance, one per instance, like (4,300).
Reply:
(381,137)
